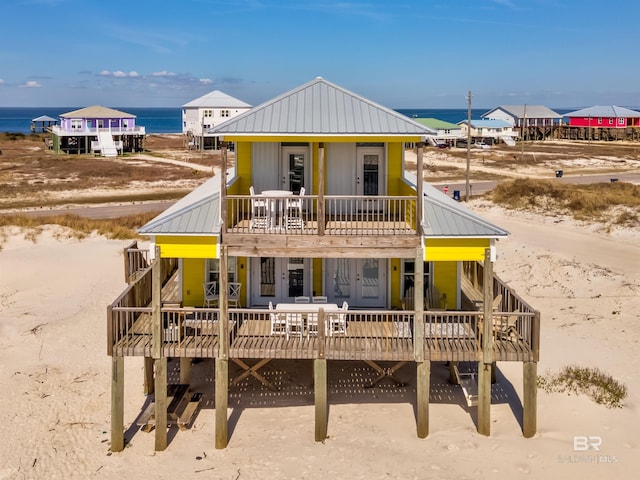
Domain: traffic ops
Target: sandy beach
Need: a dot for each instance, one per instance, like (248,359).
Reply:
(55,376)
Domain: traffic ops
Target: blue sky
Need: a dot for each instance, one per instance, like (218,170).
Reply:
(403,54)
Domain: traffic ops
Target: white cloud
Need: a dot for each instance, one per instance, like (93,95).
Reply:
(31,84)
(206,81)
(163,73)
(119,74)
(1,81)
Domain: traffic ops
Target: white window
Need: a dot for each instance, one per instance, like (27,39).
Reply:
(76,124)
(621,121)
(212,273)
(208,113)
(408,270)
(611,121)
(600,121)
(224,113)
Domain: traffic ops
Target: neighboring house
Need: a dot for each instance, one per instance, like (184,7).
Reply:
(206,112)
(42,124)
(445,132)
(527,115)
(320,203)
(97,129)
(489,131)
(604,117)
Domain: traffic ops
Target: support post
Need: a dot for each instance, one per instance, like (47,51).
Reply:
(423,386)
(148,375)
(320,392)
(223,191)
(484,365)
(453,378)
(117,404)
(419,188)
(156,302)
(222,389)
(161,404)
(530,400)
(418,305)
(185,370)
(321,206)
(222,362)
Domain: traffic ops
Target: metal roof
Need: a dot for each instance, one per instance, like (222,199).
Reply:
(519,111)
(217,99)
(437,124)
(97,111)
(610,111)
(486,123)
(318,108)
(196,214)
(44,118)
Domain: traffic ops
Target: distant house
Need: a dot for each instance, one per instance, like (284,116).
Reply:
(490,131)
(527,115)
(604,117)
(97,129)
(42,123)
(206,112)
(446,132)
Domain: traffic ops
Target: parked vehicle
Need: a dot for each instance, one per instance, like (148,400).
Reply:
(443,145)
(482,145)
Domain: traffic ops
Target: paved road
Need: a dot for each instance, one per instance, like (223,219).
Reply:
(121,210)
(480,188)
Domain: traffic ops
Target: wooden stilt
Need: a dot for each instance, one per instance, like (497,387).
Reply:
(423,388)
(222,389)
(493,373)
(453,378)
(117,404)
(185,370)
(320,391)
(148,375)
(484,398)
(161,403)
(530,402)
(484,365)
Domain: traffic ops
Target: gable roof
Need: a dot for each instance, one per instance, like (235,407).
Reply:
(97,111)
(437,124)
(486,123)
(217,99)
(531,111)
(321,108)
(44,118)
(604,111)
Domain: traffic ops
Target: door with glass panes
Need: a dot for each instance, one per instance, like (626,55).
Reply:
(361,282)
(278,280)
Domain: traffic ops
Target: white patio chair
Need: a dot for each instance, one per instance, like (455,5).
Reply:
(318,299)
(338,321)
(259,211)
(278,321)
(211,295)
(295,325)
(234,294)
(293,211)
(301,299)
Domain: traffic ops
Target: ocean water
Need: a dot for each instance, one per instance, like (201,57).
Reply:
(155,120)
(169,120)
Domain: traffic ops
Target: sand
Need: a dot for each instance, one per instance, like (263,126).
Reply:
(55,378)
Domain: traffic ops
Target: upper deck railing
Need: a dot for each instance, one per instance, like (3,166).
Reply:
(60,131)
(327,215)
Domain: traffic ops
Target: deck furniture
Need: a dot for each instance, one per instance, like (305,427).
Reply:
(277,200)
(302,318)
(211,295)
(234,294)
(301,299)
(260,218)
(318,299)
(278,322)
(293,212)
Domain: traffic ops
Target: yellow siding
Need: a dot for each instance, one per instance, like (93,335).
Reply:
(188,247)
(455,249)
(243,169)
(192,280)
(396,282)
(445,279)
(316,284)
(327,139)
(394,167)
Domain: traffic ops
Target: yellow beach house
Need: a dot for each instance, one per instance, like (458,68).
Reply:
(319,242)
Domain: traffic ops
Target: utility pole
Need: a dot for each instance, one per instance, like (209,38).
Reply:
(524,126)
(466,192)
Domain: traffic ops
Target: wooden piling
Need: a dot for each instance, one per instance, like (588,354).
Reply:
(161,403)
(117,404)
(423,382)
(148,375)
(222,389)
(320,393)
(530,402)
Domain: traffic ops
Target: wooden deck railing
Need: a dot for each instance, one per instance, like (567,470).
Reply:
(343,215)
(136,261)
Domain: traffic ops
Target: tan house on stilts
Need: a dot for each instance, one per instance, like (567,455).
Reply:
(318,244)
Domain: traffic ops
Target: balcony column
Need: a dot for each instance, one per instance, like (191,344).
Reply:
(223,188)
(486,355)
(423,379)
(222,360)
(419,188)
(321,179)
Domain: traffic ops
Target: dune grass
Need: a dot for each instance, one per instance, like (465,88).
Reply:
(599,386)
(593,201)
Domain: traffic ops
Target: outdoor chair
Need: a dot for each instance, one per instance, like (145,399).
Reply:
(318,299)
(259,211)
(278,321)
(234,294)
(301,299)
(211,295)
(338,321)
(293,211)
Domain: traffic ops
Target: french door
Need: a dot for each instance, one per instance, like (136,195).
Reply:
(360,282)
(278,280)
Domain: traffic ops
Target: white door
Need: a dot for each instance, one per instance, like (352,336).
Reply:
(360,282)
(278,280)
(370,171)
(296,168)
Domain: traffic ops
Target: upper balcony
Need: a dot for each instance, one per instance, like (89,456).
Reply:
(282,213)
(86,131)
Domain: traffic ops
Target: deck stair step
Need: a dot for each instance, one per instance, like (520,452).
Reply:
(107,144)
(182,404)
(469,383)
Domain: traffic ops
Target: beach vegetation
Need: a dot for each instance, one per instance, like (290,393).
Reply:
(616,202)
(573,379)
